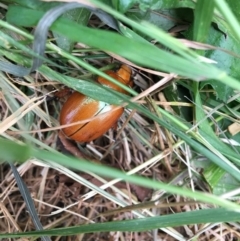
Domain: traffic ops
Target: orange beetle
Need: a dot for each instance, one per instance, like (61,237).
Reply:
(79,107)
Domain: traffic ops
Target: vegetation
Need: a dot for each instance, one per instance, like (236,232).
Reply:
(169,169)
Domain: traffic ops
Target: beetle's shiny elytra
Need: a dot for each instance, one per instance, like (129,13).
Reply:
(79,107)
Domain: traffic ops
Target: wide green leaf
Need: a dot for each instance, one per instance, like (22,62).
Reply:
(224,60)
(36,4)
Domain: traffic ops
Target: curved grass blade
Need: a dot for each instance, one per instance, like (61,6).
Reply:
(40,36)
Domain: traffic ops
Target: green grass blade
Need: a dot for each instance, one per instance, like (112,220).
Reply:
(143,224)
(145,55)
(231,20)
(202,20)
(77,164)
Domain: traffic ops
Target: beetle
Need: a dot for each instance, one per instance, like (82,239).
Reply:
(79,107)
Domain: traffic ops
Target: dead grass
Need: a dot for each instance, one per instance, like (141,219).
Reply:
(62,202)
(137,143)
